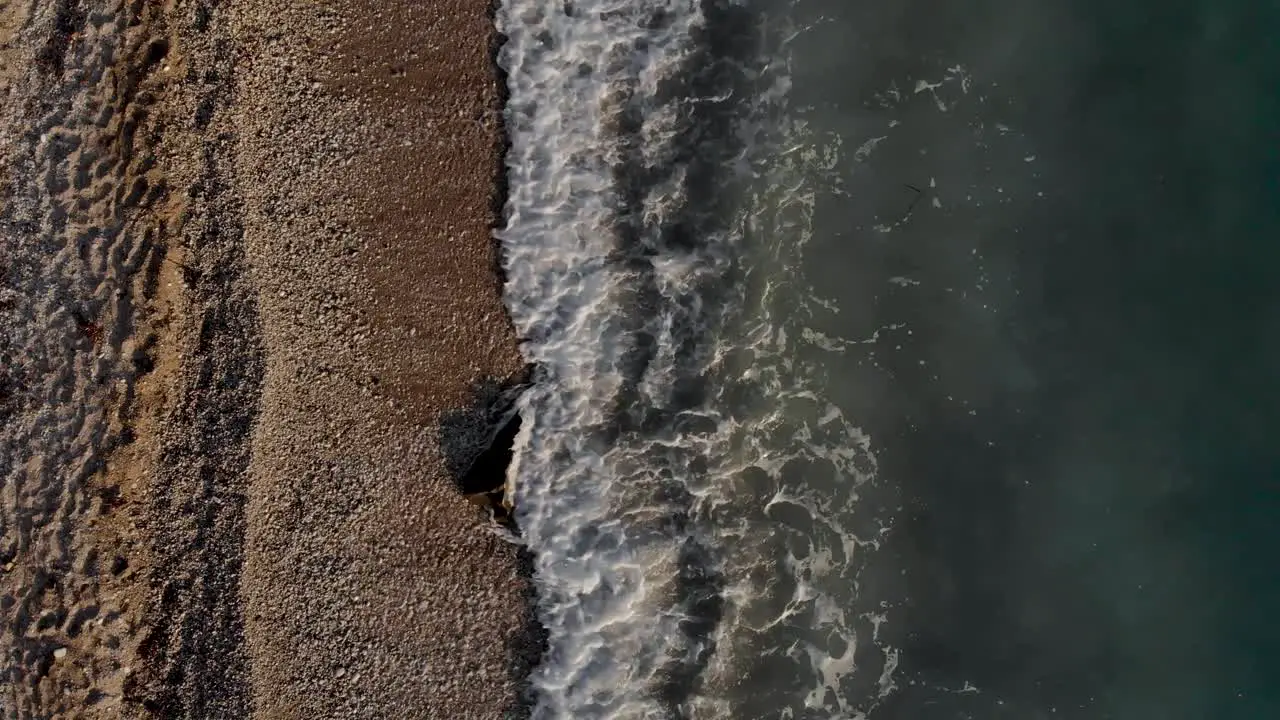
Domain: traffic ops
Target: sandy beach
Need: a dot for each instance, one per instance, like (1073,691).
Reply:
(248,277)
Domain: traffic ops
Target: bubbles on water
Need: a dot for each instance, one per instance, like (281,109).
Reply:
(692,500)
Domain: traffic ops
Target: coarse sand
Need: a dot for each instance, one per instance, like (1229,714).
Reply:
(247,268)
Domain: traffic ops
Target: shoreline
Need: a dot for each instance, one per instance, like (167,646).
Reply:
(366,571)
(322,299)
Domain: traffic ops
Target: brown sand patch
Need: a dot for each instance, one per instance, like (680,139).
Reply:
(368,159)
(14,16)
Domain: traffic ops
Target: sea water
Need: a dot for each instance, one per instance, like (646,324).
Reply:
(914,360)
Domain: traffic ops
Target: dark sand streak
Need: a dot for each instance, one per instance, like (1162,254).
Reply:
(194,659)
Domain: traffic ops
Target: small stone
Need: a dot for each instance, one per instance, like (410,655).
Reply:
(59,653)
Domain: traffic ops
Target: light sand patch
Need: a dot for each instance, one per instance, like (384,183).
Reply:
(87,221)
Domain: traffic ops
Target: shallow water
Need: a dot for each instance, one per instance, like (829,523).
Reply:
(909,362)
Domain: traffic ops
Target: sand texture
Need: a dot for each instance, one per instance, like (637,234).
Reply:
(247,270)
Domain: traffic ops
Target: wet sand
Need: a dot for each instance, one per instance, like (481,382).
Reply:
(247,269)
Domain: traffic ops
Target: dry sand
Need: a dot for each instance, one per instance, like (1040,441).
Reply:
(247,272)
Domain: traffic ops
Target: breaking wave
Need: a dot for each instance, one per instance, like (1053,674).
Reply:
(692,500)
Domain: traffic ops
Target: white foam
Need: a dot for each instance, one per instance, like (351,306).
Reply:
(596,507)
(583,502)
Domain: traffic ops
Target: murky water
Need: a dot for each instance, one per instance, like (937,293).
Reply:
(909,362)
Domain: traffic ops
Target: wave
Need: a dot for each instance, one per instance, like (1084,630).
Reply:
(653,219)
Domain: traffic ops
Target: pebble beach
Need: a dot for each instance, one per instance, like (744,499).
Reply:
(247,268)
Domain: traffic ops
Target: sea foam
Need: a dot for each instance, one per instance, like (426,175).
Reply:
(682,483)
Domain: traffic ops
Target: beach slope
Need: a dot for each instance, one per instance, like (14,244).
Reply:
(248,273)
